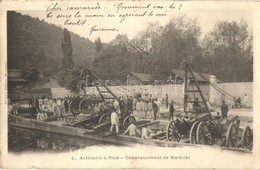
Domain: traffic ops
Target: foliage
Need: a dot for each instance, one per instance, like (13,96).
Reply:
(26,36)
(110,63)
(98,46)
(67,50)
(228,49)
(31,74)
(69,78)
(225,52)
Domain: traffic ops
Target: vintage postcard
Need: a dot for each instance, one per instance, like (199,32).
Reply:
(129,84)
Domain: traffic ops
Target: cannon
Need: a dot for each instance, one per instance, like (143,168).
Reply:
(223,131)
(98,108)
(180,127)
(198,126)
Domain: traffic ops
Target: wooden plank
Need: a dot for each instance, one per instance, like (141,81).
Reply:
(159,134)
(79,121)
(162,138)
(116,139)
(101,125)
(148,124)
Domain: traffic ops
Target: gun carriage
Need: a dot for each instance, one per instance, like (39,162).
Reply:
(198,126)
(97,107)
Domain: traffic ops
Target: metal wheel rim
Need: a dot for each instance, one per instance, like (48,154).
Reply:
(73,108)
(193,130)
(86,106)
(201,133)
(172,132)
(104,119)
(246,141)
(231,137)
(128,119)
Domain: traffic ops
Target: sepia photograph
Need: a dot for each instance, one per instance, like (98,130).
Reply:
(137,77)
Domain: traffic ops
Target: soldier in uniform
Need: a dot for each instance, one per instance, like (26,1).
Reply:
(224,109)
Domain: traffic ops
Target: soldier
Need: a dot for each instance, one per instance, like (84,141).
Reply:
(66,105)
(137,107)
(155,109)
(166,101)
(224,109)
(171,110)
(132,130)
(114,121)
(197,107)
(246,101)
(150,108)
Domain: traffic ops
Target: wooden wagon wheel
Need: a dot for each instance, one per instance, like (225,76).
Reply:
(104,119)
(74,107)
(172,132)
(128,120)
(86,105)
(202,134)
(125,113)
(247,138)
(193,133)
(232,134)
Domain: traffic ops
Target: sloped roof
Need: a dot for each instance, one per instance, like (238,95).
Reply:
(48,83)
(142,76)
(43,83)
(181,74)
(16,79)
(14,70)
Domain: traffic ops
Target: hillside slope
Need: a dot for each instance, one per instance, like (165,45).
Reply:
(27,36)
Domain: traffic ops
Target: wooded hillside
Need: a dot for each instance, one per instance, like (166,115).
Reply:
(32,42)
(226,51)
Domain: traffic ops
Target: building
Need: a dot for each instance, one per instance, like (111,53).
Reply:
(43,87)
(179,75)
(21,89)
(138,79)
(15,81)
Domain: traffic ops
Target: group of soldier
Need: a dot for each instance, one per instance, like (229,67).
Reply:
(143,107)
(43,105)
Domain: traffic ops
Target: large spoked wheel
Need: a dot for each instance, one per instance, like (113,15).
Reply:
(128,120)
(105,118)
(247,138)
(74,107)
(193,131)
(232,134)
(124,113)
(203,135)
(86,106)
(172,132)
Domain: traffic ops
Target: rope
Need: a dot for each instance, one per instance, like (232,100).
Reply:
(230,97)
(217,88)
(180,68)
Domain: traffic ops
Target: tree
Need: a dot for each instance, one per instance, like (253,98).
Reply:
(31,74)
(67,50)
(69,79)
(110,65)
(161,49)
(68,76)
(229,51)
(98,46)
